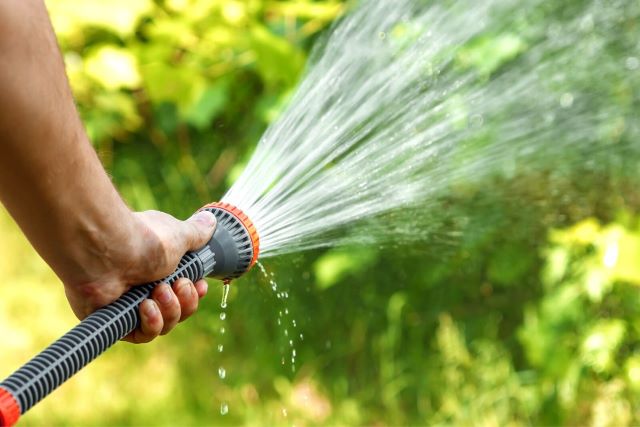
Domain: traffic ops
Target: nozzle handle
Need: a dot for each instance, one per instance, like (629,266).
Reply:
(91,337)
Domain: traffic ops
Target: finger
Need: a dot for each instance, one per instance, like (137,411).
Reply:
(197,230)
(150,323)
(202,287)
(188,297)
(169,306)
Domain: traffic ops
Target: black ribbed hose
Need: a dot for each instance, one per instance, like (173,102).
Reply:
(96,333)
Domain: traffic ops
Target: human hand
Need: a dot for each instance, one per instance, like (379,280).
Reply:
(151,251)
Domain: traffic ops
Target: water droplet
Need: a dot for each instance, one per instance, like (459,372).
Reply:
(293,322)
(286,311)
(223,315)
(632,63)
(224,408)
(301,337)
(293,352)
(284,412)
(291,343)
(549,118)
(279,322)
(225,295)
(587,23)
(566,100)
(382,35)
(222,330)
(476,120)
(222,373)
(286,332)
(220,348)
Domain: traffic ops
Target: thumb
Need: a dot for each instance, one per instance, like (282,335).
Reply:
(198,229)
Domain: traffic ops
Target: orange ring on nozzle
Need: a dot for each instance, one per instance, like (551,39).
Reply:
(248,224)
(9,408)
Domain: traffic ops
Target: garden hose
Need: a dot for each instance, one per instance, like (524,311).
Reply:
(232,251)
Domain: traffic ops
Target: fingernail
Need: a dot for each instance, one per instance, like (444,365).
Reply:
(184,290)
(205,217)
(150,309)
(164,295)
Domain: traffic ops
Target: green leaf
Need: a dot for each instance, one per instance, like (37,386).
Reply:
(601,343)
(171,84)
(210,103)
(277,60)
(488,53)
(335,265)
(510,264)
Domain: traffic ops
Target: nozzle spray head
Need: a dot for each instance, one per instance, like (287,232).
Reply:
(235,243)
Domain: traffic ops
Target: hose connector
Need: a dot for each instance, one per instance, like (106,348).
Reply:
(9,408)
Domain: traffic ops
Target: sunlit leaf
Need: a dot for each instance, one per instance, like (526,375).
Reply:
(489,53)
(307,9)
(119,16)
(113,68)
(601,344)
(334,266)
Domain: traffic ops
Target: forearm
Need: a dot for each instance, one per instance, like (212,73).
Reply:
(51,180)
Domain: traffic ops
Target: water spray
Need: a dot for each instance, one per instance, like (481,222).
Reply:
(231,252)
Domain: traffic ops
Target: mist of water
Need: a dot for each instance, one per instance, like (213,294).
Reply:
(405,99)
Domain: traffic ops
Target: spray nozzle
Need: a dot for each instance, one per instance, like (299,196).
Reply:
(235,244)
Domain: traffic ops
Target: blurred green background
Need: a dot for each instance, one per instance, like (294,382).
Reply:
(530,317)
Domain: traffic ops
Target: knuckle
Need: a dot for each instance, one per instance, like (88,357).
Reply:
(160,260)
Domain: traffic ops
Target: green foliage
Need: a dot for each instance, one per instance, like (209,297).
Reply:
(579,335)
(489,53)
(209,75)
(336,265)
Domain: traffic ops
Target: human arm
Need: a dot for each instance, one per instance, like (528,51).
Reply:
(53,184)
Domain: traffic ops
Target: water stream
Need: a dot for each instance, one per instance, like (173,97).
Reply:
(405,100)
(222,372)
(286,323)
